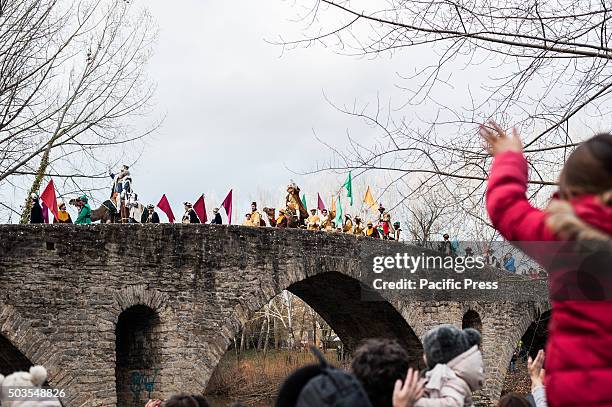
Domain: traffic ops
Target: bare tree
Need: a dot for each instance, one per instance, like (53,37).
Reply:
(71,83)
(543,66)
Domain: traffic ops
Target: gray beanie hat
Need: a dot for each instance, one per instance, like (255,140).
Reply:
(445,342)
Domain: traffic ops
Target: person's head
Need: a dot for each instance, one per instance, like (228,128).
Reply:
(247,216)
(324,212)
(216,211)
(253,206)
(186,400)
(347,216)
(187,205)
(445,342)
(150,207)
(513,400)
(370,225)
(313,211)
(378,363)
(62,206)
(588,170)
(381,209)
(281,211)
(125,167)
(333,225)
(445,236)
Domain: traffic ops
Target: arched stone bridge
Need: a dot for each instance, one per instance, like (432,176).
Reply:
(118,313)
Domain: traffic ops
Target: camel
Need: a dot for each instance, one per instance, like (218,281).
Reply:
(106,213)
(270,212)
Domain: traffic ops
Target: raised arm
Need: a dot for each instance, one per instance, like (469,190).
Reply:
(507,205)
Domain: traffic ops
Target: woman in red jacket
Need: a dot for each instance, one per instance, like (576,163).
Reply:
(578,220)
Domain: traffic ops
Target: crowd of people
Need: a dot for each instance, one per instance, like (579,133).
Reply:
(379,376)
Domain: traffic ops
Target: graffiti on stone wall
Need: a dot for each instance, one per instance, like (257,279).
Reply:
(140,383)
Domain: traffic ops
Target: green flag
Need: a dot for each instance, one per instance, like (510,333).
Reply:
(338,218)
(348,184)
(304,201)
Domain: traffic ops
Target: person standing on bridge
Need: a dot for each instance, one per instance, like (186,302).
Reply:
(84,217)
(150,216)
(62,214)
(190,215)
(255,215)
(216,220)
(579,348)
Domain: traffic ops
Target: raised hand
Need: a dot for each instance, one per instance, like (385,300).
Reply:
(536,370)
(498,141)
(405,394)
(153,403)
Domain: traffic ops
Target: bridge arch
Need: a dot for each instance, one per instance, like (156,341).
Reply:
(471,319)
(337,298)
(22,345)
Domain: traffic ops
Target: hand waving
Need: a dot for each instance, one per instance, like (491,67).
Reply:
(536,371)
(404,395)
(498,141)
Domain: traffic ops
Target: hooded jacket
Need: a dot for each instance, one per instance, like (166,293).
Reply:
(579,347)
(452,384)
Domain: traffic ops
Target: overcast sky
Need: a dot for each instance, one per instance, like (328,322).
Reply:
(238,111)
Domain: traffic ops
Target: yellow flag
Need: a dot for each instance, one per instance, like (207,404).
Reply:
(369,200)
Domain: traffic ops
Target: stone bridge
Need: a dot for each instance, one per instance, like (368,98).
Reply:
(121,313)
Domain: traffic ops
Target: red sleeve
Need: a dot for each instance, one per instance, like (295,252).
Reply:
(510,211)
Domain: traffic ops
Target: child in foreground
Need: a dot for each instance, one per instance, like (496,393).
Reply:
(455,370)
(579,348)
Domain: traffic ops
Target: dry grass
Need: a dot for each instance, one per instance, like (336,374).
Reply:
(254,379)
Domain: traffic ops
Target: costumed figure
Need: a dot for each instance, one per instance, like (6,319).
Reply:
(36,213)
(385,225)
(295,211)
(348,224)
(216,220)
(314,221)
(150,216)
(327,221)
(358,229)
(248,220)
(62,214)
(371,231)
(397,231)
(84,217)
(136,209)
(190,215)
(281,221)
(256,219)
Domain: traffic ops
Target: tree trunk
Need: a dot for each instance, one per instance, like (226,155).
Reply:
(267,340)
(275,333)
(40,175)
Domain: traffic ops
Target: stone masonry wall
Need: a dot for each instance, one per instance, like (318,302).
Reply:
(63,289)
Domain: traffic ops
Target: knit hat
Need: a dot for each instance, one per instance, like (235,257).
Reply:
(321,385)
(83,198)
(34,378)
(445,342)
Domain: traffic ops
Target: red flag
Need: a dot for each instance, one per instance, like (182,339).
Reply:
(227,205)
(164,205)
(321,205)
(200,209)
(49,199)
